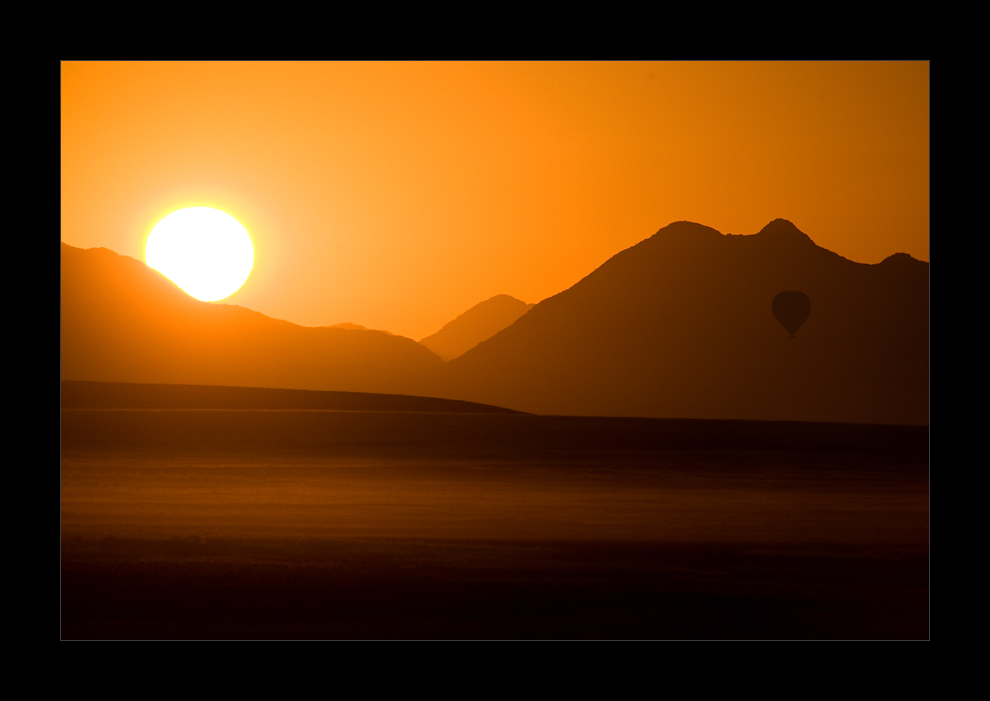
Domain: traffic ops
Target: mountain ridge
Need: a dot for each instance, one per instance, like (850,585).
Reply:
(632,338)
(122,321)
(677,326)
(476,325)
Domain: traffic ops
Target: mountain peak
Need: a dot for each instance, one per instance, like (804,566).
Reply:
(900,259)
(686,229)
(477,324)
(783,230)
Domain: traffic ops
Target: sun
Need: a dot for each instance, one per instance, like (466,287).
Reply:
(204,251)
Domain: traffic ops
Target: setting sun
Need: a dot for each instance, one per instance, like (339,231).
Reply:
(204,251)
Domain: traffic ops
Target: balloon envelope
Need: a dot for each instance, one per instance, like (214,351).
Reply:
(791,309)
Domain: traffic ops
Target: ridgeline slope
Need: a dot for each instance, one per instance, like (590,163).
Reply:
(122,321)
(681,325)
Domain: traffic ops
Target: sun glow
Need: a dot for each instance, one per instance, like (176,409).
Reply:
(204,251)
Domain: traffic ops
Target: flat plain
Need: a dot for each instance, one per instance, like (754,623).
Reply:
(219,523)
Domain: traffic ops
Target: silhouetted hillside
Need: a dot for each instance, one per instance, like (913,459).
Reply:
(122,321)
(357,327)
(127,395)
(480,322)
(681,325)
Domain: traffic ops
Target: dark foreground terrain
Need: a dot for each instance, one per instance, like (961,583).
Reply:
(206,522)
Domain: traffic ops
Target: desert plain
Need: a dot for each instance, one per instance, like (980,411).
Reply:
(192,518)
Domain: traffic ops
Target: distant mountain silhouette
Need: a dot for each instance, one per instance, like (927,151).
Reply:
(357,327)
(681,325)
(477,324)
(122,321)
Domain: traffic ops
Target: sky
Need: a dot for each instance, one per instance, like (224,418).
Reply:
(398,195)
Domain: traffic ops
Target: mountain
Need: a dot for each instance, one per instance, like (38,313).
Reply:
(357,327)
(480,322)
(121,321)
(681,325)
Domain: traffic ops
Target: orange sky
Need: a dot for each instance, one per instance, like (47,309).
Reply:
(397,195)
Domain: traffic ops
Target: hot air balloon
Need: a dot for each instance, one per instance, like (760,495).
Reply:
(791,309)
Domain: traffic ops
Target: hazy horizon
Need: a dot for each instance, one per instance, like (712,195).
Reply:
(399,195)
(680,326)
(357,325)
